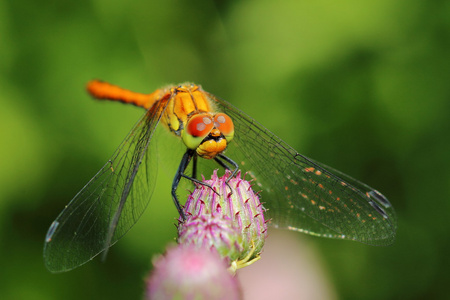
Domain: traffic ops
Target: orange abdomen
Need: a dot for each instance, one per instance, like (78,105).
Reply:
(183,100)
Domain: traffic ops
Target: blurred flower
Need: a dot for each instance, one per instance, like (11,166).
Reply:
(188,272)
(292,268)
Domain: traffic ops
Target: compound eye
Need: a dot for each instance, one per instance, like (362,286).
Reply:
(198,127)
(224,123)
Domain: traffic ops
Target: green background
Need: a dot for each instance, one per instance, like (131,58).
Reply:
(362,86)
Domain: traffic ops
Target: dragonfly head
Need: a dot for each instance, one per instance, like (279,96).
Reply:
(208,134)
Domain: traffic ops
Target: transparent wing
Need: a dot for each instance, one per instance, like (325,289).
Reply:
(303,195)
(110,204)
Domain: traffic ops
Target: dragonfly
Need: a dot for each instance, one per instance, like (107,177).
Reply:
(298,193)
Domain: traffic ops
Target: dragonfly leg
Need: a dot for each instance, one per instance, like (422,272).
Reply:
(194,175)
(199,182)
(194,167)
(227,167)
(188,155)
(176,180)
(222,164)
(222,161)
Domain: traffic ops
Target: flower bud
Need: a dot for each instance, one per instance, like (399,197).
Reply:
(226,215)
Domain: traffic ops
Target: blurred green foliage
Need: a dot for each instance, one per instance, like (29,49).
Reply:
(359,85)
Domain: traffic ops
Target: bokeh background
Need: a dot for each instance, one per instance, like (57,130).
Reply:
(362,86)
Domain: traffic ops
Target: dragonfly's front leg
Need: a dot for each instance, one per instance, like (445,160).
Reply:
(222,161)
(176,180)
(194,167)
(224,165)
(188,155)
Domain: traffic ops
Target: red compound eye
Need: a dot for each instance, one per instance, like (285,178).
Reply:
(224,124)
(200,125)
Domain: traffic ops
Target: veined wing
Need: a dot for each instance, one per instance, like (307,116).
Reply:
(110,204)
(303,195)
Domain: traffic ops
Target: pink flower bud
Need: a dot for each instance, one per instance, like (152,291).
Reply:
(229,220)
